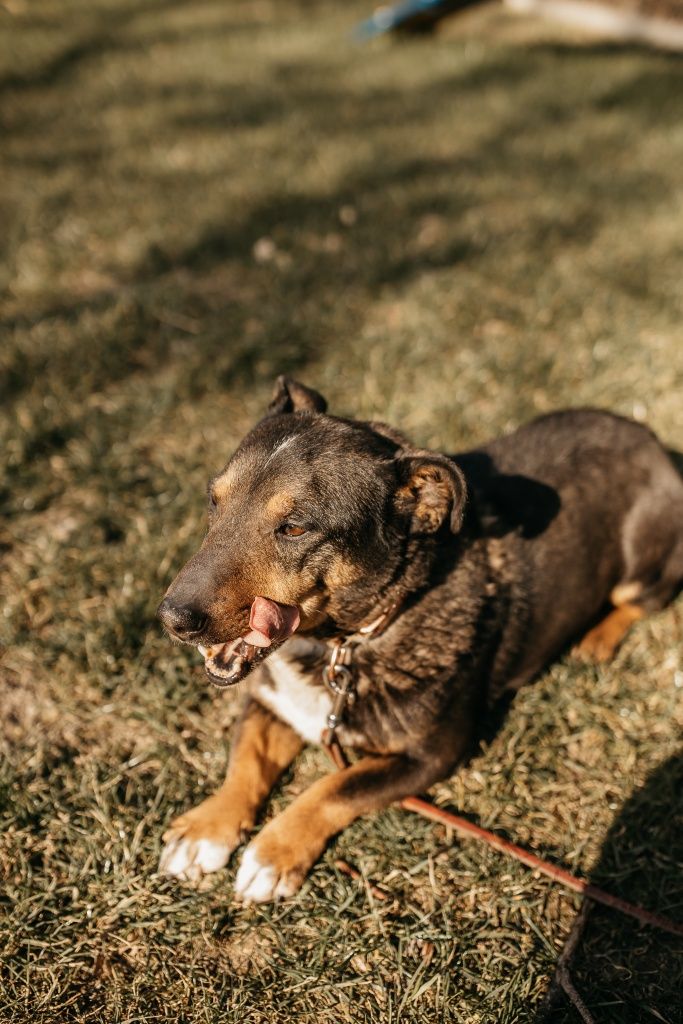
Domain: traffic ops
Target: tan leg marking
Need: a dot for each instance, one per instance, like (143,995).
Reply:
(276,862)
(600,643)
(202,840)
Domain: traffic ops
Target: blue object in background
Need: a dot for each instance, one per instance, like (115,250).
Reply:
(409,16)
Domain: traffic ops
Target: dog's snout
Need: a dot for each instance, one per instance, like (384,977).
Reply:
(184,621)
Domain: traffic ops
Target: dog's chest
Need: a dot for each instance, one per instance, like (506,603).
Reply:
(294,695)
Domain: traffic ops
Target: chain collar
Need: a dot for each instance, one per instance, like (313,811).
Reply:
(337,671)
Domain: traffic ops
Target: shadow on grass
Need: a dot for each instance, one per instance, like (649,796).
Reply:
(91,45)
(413,207)
(627,973)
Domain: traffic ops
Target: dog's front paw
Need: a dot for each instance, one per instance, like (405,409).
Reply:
(199,842)
(268,871)
(190,859)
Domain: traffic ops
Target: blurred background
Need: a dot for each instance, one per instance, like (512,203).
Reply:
(452,231)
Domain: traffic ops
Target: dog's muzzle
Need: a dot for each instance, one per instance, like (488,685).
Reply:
(270,624)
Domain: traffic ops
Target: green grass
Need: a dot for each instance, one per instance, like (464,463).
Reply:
(453,234)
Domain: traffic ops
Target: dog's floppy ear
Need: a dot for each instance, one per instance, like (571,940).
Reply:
(291,396)
(431,489)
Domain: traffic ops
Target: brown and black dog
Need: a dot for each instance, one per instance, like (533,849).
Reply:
(483,567)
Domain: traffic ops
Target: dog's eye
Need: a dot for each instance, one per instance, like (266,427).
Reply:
(213,500)
(292,530)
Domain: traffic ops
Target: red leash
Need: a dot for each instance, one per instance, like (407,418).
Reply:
(467,828)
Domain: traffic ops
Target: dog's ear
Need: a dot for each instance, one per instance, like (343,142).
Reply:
(431,489)
(291,396)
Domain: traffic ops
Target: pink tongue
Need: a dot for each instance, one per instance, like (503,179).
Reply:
(270,621)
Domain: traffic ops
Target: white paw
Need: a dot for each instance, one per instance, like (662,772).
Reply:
(189,859)
(259,882)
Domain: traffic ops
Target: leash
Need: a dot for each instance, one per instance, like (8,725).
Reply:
(338,676)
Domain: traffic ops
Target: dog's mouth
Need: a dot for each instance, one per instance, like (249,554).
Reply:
(227,664)
(270,623)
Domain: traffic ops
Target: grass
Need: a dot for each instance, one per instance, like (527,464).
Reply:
(453,234)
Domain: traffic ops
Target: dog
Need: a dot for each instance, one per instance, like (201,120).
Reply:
(390,594)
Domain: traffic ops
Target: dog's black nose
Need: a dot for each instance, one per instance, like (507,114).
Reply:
(183,620)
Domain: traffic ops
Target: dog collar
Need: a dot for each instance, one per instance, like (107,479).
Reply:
(337,671)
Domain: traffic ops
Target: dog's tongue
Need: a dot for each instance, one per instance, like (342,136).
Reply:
(270,620)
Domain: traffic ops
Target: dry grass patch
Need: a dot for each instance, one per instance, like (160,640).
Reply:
(454,235)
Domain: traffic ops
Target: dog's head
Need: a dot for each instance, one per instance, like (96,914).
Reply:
(309,522)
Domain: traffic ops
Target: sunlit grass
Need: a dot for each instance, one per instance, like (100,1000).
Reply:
(453,235)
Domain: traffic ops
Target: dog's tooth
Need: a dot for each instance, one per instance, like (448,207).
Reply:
(204,651)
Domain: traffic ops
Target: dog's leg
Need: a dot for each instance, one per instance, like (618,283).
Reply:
(600,643)
(276,862)
(202,839)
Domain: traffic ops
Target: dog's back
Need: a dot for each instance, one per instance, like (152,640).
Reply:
(597,508)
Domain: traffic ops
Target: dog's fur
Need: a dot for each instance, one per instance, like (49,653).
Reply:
(495,560)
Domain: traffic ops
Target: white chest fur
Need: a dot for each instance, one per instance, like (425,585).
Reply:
(295,698)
